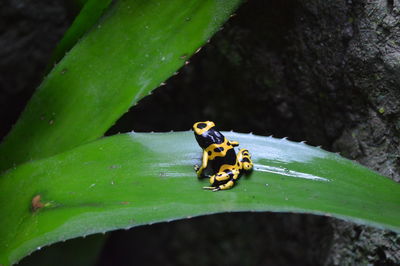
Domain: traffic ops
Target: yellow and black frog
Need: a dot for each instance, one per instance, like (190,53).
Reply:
(220,156)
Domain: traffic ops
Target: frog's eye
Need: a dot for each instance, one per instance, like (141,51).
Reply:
(201,125)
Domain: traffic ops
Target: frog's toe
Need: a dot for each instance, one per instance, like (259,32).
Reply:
(247,166)
(212,188)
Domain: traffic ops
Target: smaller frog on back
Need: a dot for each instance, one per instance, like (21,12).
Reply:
(219,154)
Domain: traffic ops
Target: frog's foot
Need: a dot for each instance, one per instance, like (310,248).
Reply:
(199,171)
(245,159)
(227,185)
(212,188)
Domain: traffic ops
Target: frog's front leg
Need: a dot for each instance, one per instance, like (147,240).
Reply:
(199,169)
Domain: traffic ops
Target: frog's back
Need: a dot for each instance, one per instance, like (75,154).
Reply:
(229,158)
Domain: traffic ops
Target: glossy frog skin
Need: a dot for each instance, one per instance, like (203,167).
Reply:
(219,155)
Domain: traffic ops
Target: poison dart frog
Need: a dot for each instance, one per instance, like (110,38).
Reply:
(220,156)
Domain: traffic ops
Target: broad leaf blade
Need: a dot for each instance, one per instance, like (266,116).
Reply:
(88,16)
(133,179)
(136,46)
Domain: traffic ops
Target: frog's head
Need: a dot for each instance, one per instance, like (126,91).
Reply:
(200,128)
(206,134)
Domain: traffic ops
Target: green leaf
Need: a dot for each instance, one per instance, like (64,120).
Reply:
(89,15)
(134,47)
(140,178)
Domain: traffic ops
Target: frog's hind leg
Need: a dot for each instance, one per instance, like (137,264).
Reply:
(223,180)
(225,186)
(245,159)
(217,179)
(234,143)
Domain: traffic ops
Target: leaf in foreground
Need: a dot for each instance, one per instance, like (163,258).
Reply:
(139,178)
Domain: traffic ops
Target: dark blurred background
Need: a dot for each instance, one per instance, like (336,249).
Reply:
(327,72)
